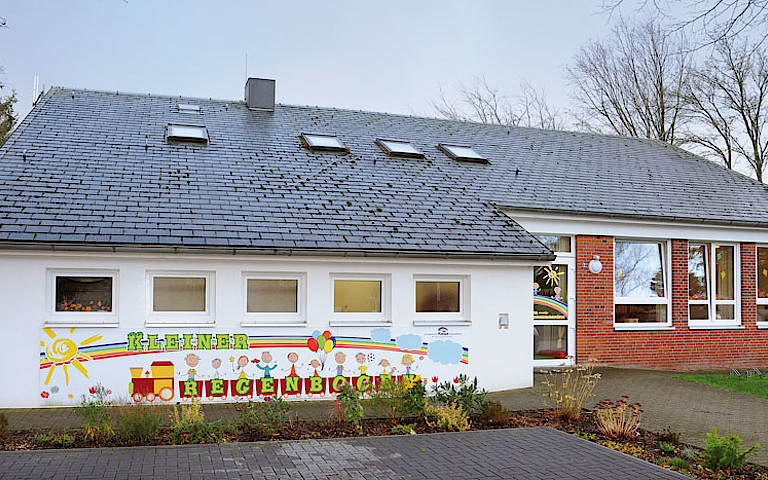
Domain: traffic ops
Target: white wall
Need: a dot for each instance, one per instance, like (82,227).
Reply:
(500,359)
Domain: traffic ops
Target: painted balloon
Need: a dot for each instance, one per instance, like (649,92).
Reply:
(327,334)
(321,341)
(312,344)
(328,346)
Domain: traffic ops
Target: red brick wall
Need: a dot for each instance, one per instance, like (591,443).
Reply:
(680,348)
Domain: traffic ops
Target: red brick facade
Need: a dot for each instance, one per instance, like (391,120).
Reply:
(679,348)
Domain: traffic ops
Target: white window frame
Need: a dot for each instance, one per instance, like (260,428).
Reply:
(712,301)
(262,319)
(759,301)
(444,318)
(666,262)
(382,318)
(181,319)
(78,319)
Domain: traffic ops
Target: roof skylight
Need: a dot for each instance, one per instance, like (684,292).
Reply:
(399,148)
(187,133)
(462,153)
(323,142)
(188,108)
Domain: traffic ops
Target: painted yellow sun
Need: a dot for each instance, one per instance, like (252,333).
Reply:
(552,276)
(64,352)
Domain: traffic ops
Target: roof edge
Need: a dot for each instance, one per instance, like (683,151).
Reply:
(327,252)
(629,216)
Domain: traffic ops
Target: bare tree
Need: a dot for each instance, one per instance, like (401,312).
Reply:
(7,116)
(730,96)
(632,82)
(714,20)
(482,102)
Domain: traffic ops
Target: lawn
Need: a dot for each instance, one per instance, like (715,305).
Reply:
(754,385)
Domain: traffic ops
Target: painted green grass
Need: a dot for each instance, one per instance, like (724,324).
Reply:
(757,386)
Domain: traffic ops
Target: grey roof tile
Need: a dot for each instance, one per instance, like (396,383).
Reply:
(98,169)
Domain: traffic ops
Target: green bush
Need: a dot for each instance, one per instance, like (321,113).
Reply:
(271,414)
(60,440)
(351,406)
(94,410)
(494,413)
(407,429)
(724,452)
(137,423)
(398,400)
(689,453)
(676,463)
(189,426)
(667,447)
(461,392)
(3,426)
(450,418)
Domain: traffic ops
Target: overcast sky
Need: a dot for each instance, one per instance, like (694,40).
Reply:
(391,56)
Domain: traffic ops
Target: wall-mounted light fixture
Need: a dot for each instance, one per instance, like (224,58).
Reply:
(503,320)
(595,265)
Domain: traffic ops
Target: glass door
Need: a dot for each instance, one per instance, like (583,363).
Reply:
(553,313)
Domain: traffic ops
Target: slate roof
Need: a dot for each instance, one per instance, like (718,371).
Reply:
(94,168)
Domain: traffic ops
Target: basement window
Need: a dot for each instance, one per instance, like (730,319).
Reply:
(188,108)
(462,153)
(398,148)
(328,143)
(187,133)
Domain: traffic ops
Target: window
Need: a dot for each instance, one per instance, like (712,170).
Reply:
(187,133)
(556,243)
(462,153)
(188,108)
(399,148)
(712,284)
(360,298)
(640,284)
(323,142)
(440,299)
(82,296)
(550,342)
(274,298)
(180,298)
(762,285)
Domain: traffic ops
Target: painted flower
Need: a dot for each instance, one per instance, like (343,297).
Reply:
(92,390)
(44,394)
(109,392)
(434,379)
(54,389)
(455,379)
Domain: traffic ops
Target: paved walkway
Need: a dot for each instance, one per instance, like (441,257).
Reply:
(688,408)
(531,453)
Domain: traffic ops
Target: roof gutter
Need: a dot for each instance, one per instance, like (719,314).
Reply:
(138,248)
(510,210)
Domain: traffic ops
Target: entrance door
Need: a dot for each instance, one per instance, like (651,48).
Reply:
(554,322)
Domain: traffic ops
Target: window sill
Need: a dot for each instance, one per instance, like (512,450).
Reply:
(360,323)
(301,323)
(178,325)
(761,325)
(715,326)
(440,323)
(641,327)
(50,324)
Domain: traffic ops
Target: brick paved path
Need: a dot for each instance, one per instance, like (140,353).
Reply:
(688,408)
(531,453)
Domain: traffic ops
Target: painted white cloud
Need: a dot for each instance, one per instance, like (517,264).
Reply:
(381,335)
(409,342)
(445,352)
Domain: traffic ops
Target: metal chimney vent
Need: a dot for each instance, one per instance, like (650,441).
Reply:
(260,94)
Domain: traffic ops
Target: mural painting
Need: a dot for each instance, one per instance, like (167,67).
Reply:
(147,367)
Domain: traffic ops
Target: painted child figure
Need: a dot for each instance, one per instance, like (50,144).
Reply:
(340,358)
(192,361)
(293,357)
(386,368)
(266,364)
(407,362)
(314,364)
(362,367)
(241,366)
(216,366)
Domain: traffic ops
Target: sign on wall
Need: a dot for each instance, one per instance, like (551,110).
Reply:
(169,366)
